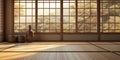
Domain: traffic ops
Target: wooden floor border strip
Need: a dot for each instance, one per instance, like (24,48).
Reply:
(105,49)
(63,51)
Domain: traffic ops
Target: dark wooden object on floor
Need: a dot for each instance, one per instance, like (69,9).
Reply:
(13,38)
(21,39)
(29,35)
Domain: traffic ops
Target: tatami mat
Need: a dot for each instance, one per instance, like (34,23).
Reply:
(111,47)
(60,51)
(54,47)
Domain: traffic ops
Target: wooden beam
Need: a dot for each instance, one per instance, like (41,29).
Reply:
(61,19)
(98,20)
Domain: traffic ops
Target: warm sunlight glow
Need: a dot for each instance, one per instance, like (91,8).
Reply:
(15,54)
(33,47)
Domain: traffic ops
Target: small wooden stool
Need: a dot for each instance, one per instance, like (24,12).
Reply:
(21,38)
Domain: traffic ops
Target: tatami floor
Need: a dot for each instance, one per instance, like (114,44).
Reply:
(60,51)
